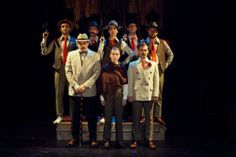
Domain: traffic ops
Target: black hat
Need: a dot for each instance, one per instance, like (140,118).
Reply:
(131,18)
(131,21)
(93,23)
(153,24)
(65,21)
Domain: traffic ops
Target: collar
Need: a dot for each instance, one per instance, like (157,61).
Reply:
(135,37)
(62,38)
(96,38)
(116,39)
(146,59)
(156,40)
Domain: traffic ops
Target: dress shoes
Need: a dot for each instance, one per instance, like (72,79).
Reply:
(151,145)
(134,145)
(107,144)
(94,144)
(72,143)
(159,120)
(120,144)
(58,120)
(142,120)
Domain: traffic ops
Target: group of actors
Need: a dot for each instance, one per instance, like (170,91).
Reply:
(112,72)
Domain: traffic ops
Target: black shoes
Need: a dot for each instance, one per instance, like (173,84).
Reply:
(120,144)
(72,143)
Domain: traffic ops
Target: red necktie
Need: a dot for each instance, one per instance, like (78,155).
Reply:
(143,63)
(154,54)
(132,44)
(65,50)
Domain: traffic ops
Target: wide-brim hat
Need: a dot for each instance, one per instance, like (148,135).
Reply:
(82,37)
(113,23)
(65,21)
(131,21)
(93,24)
(153,24)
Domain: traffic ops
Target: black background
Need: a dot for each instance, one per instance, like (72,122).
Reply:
(199,92)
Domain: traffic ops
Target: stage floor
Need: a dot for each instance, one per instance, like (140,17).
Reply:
(42,142)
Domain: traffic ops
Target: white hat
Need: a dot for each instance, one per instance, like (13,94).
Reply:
(82,37)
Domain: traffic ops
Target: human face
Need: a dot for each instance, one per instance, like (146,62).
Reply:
(65,28)
(115,55)
(83,45)
(132,28)
(93,31)
(112,30)
(143,51)
(152,32)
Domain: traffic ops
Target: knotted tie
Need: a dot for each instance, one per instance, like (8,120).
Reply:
(143,63)
(65,50)
(132,44)
(154,54)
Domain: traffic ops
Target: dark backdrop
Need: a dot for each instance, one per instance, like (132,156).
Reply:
(199,86)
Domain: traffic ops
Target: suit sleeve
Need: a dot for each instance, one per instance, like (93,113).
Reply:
(69,73)
(96,72)
(130,81)
(169,54)
(46,50)
(155,82)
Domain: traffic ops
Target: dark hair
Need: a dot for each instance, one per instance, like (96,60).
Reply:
(142,43)
(116,48)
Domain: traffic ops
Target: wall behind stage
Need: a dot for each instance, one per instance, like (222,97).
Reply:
(199,86)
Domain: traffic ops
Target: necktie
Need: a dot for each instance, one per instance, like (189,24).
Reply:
(143,63)
(112,42)
(154,54)
(65,50)
(132,44)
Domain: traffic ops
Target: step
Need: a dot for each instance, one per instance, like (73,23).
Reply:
(63,131)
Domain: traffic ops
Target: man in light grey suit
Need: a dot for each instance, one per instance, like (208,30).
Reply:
(143,84)
(82,69)
(60,47)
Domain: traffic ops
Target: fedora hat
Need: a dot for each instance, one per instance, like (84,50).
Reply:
(65,21)
(113,23)
(82,37)
(153,24)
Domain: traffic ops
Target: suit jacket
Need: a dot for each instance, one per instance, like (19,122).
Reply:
(143,84)
(86,74)
(164,52)
(55,46)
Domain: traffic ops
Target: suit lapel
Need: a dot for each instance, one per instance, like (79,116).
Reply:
(140,69)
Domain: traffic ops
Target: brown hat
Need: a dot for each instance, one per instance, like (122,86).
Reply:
(65,21)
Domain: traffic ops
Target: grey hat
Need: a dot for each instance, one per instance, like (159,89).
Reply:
(114,23)
(153,24)
(82,37)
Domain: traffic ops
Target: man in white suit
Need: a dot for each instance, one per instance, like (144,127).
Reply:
(82,69)
(143,85)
